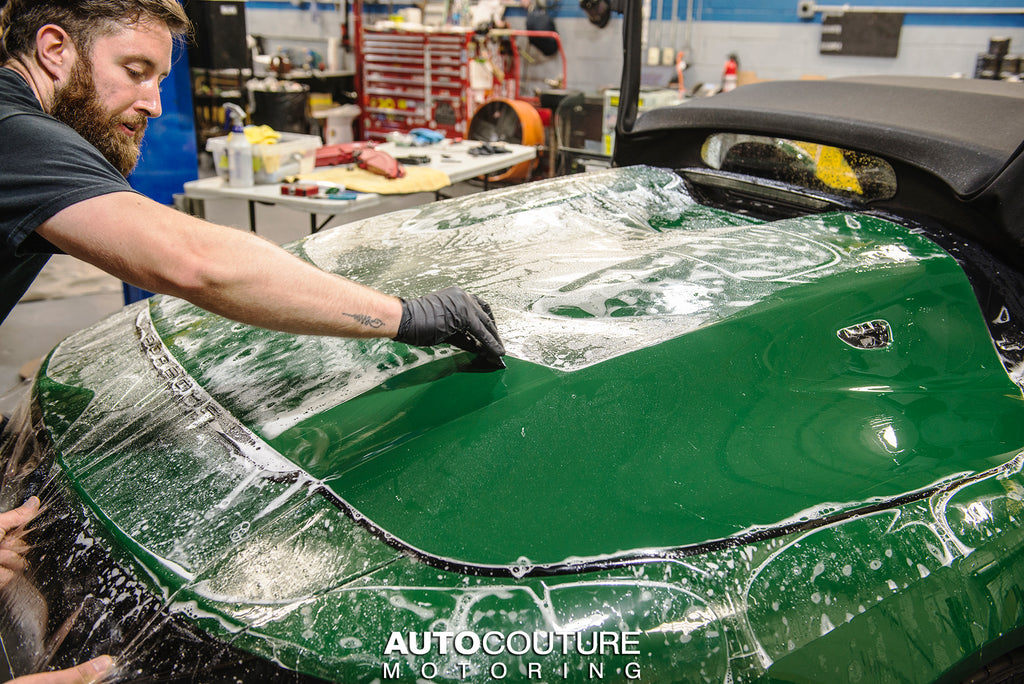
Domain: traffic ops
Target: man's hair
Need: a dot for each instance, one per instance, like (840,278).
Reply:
(84,20)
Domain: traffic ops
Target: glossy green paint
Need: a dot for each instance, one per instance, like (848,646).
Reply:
(300,541)
(638,451)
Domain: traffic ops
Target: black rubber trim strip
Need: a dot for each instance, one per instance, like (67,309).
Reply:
(650,556)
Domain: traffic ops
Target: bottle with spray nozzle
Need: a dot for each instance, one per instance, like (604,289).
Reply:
(239,149)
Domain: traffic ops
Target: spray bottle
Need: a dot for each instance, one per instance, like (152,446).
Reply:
(239,149)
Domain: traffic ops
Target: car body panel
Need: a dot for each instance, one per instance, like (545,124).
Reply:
(632,471)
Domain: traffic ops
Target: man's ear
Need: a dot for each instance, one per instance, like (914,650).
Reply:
(55,51)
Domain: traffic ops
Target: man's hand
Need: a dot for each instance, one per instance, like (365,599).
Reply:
(86,673)
(451,316)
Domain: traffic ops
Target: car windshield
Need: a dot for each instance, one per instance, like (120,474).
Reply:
(823,168)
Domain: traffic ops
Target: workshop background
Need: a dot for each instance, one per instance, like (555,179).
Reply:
(769,36)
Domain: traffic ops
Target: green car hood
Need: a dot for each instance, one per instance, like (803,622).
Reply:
(677,378)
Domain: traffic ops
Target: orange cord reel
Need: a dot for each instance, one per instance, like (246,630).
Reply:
(511,121)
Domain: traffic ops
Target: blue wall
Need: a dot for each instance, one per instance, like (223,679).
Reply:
(785,11)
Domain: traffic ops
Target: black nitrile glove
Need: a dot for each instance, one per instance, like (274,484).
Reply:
(451,316)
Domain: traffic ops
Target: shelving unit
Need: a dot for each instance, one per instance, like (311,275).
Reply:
(211,90)
(414,79)
(219,61)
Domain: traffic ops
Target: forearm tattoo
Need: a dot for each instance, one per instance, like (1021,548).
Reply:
(368,321)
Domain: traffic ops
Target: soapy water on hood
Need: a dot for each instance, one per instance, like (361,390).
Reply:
(600,265)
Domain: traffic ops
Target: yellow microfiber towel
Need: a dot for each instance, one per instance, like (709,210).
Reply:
(261,135)
(416,179)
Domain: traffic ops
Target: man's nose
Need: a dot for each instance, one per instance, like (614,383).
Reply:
(149,100)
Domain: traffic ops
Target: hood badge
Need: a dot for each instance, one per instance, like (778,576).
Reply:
(869,335)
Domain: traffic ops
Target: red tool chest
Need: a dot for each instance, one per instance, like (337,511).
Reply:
(415,79)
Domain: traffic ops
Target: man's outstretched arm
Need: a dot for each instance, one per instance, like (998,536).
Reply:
(227,271)
(247,278)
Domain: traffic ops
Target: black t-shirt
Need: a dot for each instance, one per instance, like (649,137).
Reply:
(45,167)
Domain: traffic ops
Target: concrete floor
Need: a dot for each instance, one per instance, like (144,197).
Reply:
(33,328)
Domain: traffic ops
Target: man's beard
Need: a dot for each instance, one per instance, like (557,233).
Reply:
(77,104)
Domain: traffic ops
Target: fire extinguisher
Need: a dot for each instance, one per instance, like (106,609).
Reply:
(729,74)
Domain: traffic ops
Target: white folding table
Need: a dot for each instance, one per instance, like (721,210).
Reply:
(454,158)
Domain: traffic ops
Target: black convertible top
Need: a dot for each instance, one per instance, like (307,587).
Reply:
(964,131)
(956,145)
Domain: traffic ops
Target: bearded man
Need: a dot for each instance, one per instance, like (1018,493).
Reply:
(79,79)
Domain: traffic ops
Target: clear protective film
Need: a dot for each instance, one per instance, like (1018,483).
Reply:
(723,450)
